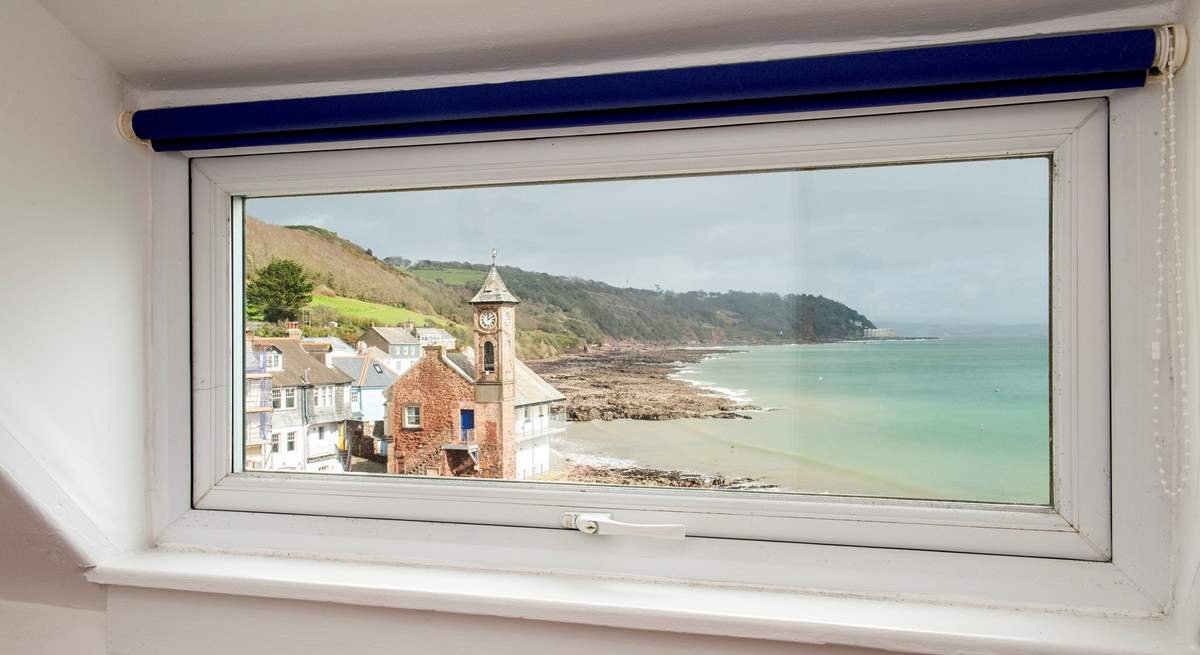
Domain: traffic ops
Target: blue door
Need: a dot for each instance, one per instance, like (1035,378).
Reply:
(466,419)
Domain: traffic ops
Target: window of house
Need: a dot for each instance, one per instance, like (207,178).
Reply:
(274,361)
(412,416)
(321,433)
(803,330)
(274,442)
(291,441)
(324,397)
(284,398)
(354,396)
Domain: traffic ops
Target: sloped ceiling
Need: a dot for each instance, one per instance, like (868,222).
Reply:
(165,44)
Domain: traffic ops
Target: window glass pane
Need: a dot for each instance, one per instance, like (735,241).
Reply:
(874,330)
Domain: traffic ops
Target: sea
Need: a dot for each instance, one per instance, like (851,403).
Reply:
(965,419)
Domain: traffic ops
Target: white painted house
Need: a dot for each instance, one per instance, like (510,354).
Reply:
(370,375)
(311,404)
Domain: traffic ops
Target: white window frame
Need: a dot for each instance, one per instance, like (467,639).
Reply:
(1134,579)
(408,423)
(324,397)
(287,397)
(1075,134)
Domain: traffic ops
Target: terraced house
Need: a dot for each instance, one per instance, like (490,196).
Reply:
(310,407)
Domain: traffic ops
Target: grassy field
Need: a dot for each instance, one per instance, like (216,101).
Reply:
(452,276)
(381,314)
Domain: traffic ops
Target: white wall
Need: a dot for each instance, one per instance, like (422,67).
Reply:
(148,622)
(1187,528)
(73,223)
(74,198)
(33,629)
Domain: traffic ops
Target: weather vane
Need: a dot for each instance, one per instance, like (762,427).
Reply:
(493,256)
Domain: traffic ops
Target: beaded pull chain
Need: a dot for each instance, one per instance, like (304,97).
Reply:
(1170,282)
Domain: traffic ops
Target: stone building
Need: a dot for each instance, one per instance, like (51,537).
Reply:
(471,412)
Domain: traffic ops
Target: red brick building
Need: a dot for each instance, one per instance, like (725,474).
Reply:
(473,413)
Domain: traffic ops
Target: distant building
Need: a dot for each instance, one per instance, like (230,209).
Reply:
(474,413)
(328,348)
(370,377)
(403,348)
(257,432)
(310,406)
(879,333)
(432,336)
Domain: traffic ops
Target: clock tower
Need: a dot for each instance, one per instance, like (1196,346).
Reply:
(495,339)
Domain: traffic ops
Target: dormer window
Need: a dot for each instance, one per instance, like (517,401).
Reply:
(274,360)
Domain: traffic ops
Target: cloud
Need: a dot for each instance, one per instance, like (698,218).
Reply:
(962,241)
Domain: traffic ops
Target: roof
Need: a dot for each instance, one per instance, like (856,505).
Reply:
(531,388)
(367,370)
(396,335)
(437,333)
(335,344)
(297,363)
(315,348)
(493,290)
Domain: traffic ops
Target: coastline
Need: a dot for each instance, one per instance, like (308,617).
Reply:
(642,476)
(642,383)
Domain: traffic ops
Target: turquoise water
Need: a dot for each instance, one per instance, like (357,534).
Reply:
(952,419)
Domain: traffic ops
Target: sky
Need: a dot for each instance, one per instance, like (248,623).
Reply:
(958,242)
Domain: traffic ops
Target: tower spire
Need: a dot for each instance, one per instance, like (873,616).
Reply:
(493,289)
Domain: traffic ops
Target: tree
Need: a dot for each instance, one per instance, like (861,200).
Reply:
(279,291)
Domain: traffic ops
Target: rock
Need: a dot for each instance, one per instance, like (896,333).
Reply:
(633,384)
(648,477)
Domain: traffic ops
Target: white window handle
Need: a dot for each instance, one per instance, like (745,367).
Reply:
(603,524)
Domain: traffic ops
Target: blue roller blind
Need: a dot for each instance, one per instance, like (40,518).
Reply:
(1053,64)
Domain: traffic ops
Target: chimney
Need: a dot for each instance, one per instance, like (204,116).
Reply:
(295,333)
(361,347)
(437,350)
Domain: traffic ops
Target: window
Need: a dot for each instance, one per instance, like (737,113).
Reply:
(320,433)
(901,285)
(274,361)
(274,442)
(291,441)
(324,397)
(284,398)
(412,416)
(354,396)
(489,357)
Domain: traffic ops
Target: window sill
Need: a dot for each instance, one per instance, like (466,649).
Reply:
(645,605)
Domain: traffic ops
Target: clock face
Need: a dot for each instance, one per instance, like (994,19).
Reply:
(487,320)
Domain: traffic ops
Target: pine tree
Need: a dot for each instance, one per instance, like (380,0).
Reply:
(279,291)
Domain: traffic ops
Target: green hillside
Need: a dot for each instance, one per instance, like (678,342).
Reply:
(374,312)
(556,314)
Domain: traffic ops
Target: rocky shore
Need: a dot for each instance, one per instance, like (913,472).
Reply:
(634,383)
(648,477)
